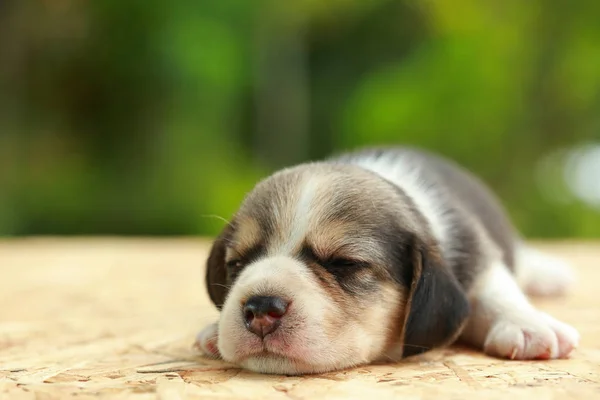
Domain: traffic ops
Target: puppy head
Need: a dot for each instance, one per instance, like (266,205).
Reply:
(325,267)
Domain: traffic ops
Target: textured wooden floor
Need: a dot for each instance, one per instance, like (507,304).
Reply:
(116,318)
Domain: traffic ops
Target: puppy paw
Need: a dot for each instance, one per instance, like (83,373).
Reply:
(543,275)
(531,336)
(567,336)
(207,339)
(555,280)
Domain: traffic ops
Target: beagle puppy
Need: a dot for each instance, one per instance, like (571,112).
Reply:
(376,255)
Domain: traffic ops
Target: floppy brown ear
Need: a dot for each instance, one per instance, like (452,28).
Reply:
(437,307)
(216,272)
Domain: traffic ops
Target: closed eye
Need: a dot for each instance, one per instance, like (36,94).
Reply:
(343,263)
(343,267)
(335,265)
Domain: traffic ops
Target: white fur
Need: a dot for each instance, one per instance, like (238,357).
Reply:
(404,171)
(505,324)
(301,216)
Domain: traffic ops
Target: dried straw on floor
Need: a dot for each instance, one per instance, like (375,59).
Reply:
(115,318)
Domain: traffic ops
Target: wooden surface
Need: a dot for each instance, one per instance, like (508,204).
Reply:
(116,318)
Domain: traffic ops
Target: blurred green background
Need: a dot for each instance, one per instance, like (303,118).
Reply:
(149,117)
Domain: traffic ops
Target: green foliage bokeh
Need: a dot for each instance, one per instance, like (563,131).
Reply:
(147,117)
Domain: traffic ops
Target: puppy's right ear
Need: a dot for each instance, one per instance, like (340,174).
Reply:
(216,272)
(437,307)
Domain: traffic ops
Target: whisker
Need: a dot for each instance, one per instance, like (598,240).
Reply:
(216,217)
(224,286)
(230,241)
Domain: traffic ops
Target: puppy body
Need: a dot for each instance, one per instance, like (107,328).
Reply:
(380,254)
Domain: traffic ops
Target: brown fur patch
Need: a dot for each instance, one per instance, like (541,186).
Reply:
(342,239)
(247,235)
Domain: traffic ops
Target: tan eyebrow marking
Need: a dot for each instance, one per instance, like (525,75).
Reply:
(247,235)
(343,239)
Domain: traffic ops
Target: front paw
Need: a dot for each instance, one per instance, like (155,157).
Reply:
(532,336)
(207,341)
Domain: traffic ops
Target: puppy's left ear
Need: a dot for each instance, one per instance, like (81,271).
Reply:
(437,307)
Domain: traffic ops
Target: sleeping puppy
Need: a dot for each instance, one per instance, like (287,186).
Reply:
(376,255)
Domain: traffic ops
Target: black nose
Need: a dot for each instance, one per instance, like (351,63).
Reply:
(262,314)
